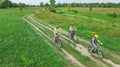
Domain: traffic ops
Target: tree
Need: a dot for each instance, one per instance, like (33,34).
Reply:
(46,4)
(52,2)
(5,4)
(59,5)
(10,4)
(14,5)
(69,6)
(41,4)
(22,5)
(73,4)
(90,8)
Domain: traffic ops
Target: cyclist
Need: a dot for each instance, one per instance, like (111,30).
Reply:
(94,42)
(72,31)
(56,33)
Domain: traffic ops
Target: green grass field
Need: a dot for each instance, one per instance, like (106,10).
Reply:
(108,28)
(20,46)
(1,1)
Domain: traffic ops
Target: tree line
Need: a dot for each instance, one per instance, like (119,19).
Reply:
(104,5)
(9,4)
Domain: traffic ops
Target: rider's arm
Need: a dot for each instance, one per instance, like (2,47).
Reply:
(54,31)
(70,28)
(99,41)
(75,28)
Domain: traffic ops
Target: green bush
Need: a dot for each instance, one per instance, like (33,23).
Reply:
(53,10)
(90,8)
(114,15)
(59,12)
(75,11)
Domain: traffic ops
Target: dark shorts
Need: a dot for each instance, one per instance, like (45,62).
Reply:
(72,32)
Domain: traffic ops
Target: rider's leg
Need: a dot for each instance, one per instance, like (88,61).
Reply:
(56,38)
(91,50)
(73,35)
(70,34)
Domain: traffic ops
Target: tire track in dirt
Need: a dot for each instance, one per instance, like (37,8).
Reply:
(78,46)
(83,51)
(113,54)
(69,56)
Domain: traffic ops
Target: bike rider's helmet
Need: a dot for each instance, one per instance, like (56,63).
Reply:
(56,26)
(96,36)
(72,24)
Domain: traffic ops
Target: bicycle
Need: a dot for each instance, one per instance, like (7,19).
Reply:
(76,37)
(58,40)
(96,50)
(73,37)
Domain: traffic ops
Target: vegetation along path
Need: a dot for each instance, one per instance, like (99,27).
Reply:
(44,28)
(69,56)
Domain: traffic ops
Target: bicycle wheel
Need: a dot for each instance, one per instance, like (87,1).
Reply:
(59,43)
(89,48)
(76,39)
(100,53)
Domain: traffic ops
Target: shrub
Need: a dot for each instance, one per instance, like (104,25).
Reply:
(53,10)
(114,15)
(60,12)
(75,11)
(90,8)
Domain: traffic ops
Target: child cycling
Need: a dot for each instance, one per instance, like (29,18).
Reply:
(56,33)
(72,31)
(94,42)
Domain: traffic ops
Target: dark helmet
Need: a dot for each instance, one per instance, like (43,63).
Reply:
(72,24)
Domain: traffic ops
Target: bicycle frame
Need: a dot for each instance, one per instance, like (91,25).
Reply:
(58,41)
(97,51)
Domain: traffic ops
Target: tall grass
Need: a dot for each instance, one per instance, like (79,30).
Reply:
(20,46)
(106,27)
